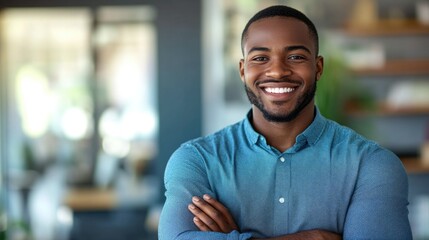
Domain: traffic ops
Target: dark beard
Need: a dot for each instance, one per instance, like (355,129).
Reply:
(303,101)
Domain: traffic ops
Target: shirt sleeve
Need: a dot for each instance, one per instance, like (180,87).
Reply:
(186,176)
(378,209)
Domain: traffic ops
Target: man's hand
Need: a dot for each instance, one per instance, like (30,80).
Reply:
(211,215)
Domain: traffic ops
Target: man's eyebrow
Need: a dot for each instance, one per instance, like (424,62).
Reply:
(289,48)
(298,47)
(262,49)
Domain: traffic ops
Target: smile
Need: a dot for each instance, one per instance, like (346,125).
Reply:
(279,90)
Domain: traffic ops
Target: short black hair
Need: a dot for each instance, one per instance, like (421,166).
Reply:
(281,11)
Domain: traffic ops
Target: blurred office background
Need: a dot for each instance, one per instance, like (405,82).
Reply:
(96,95)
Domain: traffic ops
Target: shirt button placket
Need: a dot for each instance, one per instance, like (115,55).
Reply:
(282,199)
(282,185)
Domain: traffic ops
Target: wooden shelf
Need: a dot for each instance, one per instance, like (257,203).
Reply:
(389,28)
(397,68)
(91,199)
(392,68)
(384,109)
(415,165)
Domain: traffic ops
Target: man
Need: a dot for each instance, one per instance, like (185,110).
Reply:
(285,171)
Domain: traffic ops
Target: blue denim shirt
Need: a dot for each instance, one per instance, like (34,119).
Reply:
(332,179)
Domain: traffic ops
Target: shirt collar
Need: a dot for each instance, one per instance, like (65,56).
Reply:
(310,135)
(313,132)
(252,135)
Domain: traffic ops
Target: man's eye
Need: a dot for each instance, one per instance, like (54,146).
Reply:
(260,59)
(296,57)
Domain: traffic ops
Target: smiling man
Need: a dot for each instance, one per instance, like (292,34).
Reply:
(284,171)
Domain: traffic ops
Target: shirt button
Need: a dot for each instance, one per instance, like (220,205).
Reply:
(281,200)
(282,159)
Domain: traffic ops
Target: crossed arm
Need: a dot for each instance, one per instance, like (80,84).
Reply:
(211,215)
(378,208)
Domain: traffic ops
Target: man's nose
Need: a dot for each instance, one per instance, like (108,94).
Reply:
(278,69)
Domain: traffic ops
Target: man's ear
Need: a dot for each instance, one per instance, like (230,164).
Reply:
(319,67)
(241,68)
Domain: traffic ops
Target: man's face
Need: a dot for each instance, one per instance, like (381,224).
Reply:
(280,67)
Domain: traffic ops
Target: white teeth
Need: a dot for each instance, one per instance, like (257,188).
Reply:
(279,90)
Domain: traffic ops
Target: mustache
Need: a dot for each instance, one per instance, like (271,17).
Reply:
(284,80)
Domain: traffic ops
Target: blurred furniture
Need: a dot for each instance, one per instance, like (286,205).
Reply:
(114,213)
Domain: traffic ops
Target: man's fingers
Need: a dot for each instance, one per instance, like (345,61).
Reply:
(224,212)
(204,213)
(211,215)
(201,225)
(198,215)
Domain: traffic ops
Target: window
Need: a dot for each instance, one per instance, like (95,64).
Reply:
(78,92)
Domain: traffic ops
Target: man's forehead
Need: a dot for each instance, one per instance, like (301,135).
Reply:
(267,30)
(277,23)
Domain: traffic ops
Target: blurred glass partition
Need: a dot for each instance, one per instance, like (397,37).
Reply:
(48,73)
(47,70)
(126,69)
(78,105)
(2,155)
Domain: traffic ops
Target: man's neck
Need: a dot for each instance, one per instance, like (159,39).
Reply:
(282,135)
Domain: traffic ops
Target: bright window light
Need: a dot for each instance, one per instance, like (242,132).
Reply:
(34,100)
(75,123)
